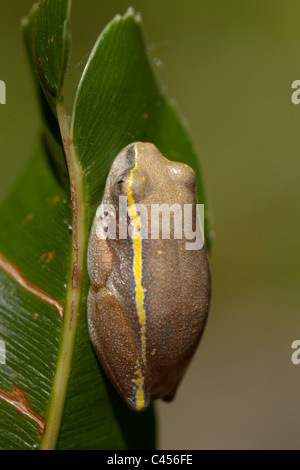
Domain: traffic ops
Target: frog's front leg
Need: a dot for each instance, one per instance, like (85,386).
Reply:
(116,349)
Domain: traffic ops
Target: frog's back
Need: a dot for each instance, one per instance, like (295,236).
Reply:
(160,280)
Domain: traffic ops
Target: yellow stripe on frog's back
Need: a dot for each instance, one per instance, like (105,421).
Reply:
(137,273)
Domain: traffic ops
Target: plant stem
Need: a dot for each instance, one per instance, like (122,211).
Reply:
(74,287)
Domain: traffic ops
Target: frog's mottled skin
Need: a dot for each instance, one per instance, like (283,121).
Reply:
(149,299)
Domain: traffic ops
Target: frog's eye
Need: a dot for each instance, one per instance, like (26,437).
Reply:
(119,186)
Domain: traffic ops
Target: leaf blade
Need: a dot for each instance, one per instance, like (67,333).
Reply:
(30,327)
(47,38)
(118,101)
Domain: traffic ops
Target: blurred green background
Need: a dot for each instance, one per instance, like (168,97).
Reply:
(229,65)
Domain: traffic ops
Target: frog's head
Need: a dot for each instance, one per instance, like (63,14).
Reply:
(142,174)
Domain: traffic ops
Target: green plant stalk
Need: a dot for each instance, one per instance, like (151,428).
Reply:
(74,287)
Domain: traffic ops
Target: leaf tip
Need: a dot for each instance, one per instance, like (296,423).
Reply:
(25,20)
(129,12)
(133,14)
(138,17)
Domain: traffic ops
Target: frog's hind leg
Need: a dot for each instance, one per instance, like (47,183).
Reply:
(116,349)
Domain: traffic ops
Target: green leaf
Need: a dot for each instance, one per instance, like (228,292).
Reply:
(118,102)
(36,239)
(48,43)
(47,38)
(53,393)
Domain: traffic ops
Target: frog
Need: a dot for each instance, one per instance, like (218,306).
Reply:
(149,297)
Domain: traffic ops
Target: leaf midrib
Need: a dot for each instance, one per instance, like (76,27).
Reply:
(74,287)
